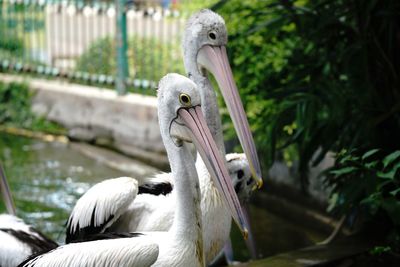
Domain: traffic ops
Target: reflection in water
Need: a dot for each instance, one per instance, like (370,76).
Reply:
(46,179)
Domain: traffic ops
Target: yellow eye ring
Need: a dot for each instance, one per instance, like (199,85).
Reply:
(185,100)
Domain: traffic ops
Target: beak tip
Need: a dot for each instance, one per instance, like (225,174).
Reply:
(260,183)
(257,177)
(245,233)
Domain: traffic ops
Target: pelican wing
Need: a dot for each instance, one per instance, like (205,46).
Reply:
(153,208)
(100,207)
(19,240)
(139,250)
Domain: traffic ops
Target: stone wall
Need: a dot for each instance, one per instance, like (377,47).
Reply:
(126,123)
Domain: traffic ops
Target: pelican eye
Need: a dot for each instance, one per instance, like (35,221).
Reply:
(185,99)
(212,35)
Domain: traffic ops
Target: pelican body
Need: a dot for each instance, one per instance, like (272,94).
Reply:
(181,122)
(204,44)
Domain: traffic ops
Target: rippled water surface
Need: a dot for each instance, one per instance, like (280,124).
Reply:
(46,179)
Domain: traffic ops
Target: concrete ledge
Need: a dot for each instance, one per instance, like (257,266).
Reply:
(333,254)
(126,123)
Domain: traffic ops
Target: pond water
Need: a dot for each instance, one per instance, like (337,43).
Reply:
(46,179)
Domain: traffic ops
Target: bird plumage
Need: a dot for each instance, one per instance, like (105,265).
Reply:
(149,212)
(182,245)
(19,240)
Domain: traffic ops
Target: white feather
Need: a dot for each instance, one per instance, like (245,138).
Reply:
(136,251)
(12,250)
(110,197)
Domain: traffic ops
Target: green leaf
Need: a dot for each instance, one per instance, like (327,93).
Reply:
(386,175)
(333,200)
(343,171)
(394,192)
(390,158)
(349,157)
(369,153)
(371,165)
(379,250)
(391,174)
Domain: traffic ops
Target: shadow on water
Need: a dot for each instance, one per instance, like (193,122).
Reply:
(46,179)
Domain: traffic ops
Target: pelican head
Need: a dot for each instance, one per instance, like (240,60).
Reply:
(204,48)
(239,171)
(181,120)
(204,28)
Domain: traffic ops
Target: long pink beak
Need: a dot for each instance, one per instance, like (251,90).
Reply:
(6,192)
(215,59)
(194,120)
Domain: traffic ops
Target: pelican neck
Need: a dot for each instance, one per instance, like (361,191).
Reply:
(187,225)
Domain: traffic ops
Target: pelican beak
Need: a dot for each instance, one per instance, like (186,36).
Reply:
(215,60)
(6,192)
(194,120)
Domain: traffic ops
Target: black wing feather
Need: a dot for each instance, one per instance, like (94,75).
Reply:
(155,188)
(82,234)
(36,244)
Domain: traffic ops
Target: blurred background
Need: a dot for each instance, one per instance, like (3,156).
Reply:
(320,81)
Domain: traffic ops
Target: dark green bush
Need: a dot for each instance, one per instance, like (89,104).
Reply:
(369,181)
(15,109)
(10,44)
(15,104)
(316,74)
(323,74)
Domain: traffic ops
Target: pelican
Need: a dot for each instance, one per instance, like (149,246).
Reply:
(181,122)
(17,239)
(204,50)
(204,44)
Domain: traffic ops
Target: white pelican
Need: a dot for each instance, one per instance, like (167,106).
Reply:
(17,239)
(181,121)
(204,49)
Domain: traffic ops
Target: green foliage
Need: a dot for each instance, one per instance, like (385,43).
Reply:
(98,58)
(15,109)
(148,58)
(324,75)
(371,179)
(379,250)
(191,6)
(14,100)
(317,74)
(370,183)
(10,44)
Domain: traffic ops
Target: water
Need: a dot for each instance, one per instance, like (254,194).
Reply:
(46,179)
(273,235)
